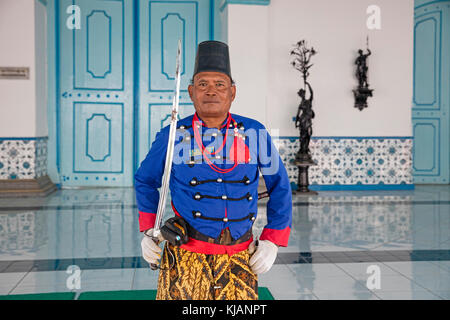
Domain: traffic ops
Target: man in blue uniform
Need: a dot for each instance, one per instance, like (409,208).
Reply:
(214,189)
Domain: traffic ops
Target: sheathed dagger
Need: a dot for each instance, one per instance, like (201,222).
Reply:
(169,155)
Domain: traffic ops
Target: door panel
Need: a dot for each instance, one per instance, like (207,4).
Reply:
(426,133)
(431,94)
(428,62)
(161,24)
(98,140)
(96,103)
(124,50)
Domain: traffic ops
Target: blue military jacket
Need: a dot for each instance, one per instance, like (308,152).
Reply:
(211,191)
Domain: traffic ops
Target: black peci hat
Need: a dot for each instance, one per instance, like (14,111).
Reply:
(212,56)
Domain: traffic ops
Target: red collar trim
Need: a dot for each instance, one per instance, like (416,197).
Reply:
(226,122)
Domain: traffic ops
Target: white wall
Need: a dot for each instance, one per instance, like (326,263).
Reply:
(23,104)
(261,39)
(249,54)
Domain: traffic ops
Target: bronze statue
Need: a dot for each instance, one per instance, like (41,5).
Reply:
(361,72)
(303,121)
(362,93)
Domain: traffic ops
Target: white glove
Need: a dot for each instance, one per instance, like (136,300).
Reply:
(264,256)
(150,250)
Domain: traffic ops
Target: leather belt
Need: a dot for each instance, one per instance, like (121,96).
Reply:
(224,238)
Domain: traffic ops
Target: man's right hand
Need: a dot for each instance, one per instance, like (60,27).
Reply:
(150,250)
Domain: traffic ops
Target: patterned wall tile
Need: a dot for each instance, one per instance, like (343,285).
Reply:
(41,158)
(23,158)
(352,161)
(343,161)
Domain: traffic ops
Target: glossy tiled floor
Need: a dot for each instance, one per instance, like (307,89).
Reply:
(340,243)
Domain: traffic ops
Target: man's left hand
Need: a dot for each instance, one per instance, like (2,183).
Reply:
(264,255)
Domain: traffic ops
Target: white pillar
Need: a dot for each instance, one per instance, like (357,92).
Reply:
(23,107)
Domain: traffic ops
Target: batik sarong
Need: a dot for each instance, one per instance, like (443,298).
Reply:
(186,275)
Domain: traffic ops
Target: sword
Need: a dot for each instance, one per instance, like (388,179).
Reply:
(169,155)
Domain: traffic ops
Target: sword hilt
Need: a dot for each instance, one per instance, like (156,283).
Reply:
(157,238)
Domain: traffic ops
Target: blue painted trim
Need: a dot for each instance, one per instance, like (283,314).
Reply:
(431,3)
(359,187)
(87,42)
(211,19)
(58,89)
(434,60)
(438,143)
(23,138)
(109,137)
(43,2)
(223,6)
(183,50)
(438,94)
(136,88)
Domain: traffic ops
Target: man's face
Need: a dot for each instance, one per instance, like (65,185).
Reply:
(212,94)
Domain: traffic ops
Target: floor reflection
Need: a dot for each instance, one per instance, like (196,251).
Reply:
(335,237)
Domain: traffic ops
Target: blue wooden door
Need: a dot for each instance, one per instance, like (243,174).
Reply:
(117,81)
(161,24)
(96,104)
(431,93)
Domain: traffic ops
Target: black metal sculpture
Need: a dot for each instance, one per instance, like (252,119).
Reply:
(362,93)
(305,114)
(303,121)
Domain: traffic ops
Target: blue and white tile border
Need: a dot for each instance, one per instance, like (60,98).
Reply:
(343,163)
(353,163)
(23,158)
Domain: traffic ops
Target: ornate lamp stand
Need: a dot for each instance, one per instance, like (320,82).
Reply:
(304,117)
(303,162)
